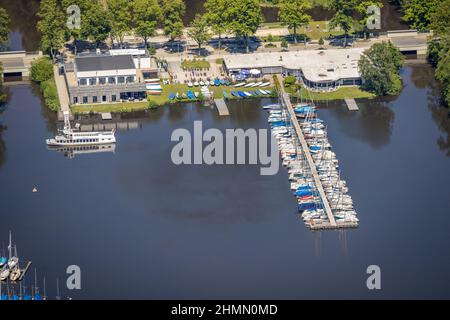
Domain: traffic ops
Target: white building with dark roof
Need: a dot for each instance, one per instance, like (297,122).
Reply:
(319,69)
(108,78)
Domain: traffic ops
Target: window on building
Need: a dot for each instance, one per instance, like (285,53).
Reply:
(103,98)
(102,80)
(85,99)
(112,80)
(75,100)
(83,82)
(113,98)
(94,99)
(92,81)
(121,79)
(130,79)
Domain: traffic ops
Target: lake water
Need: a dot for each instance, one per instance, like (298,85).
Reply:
(141,227)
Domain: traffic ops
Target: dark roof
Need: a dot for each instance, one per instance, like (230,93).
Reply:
(102,63)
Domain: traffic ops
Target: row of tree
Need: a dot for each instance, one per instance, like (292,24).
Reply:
(115,19)
(5,27)
(242,18)
(439,46)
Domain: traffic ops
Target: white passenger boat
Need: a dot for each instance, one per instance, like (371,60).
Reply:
(68,137)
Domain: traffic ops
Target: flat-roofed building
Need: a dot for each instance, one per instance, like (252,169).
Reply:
(108,78)
(322,70)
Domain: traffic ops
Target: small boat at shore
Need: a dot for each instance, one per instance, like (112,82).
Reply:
(239,84)
(225,95)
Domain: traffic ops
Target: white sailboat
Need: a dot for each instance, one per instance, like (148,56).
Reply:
(13,260)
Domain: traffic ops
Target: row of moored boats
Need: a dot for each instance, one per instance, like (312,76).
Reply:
(310,204)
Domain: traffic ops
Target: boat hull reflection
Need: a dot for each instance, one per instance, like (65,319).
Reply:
(72,151)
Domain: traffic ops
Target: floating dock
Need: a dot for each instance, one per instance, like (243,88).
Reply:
(331,223)
(351,104)
(222,107)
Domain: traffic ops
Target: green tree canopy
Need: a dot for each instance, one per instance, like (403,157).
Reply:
(52,26)
(439,46)
(173,11)
(199,30)
(218,16)
(121,18)
(379,67)
(5,25)
(293,14)
(344,11)
(95,24)
(245,18)
(418,13)
(147,15)
(41,70)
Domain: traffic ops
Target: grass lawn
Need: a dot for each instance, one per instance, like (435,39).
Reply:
(195,64)
(340,94)
(158,99)
(183,88)
(110,107)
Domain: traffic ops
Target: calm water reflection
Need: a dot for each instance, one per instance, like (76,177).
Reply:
(226,231)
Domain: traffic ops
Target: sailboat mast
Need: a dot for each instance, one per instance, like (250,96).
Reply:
(57,290)
(9,247)
(45,295)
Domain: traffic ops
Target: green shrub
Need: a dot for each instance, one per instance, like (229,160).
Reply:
(289,80)
(321,41)
(151,49)
(152,104)
(284,43)
(50,93)
(41,69)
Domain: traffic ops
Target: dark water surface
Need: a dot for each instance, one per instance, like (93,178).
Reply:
(141,227)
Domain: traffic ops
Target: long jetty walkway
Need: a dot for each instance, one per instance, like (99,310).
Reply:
(287,103)
(331,223)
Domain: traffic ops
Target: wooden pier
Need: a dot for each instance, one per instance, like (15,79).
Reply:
(351,104)
(222,107)
(287,103)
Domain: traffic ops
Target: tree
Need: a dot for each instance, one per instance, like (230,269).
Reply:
(344,11)
(443,75)
(217,15)
(51,26)
(84,6)
(439,46)
(41,70)
(199,31)
(293,14)
(365,15)
(5,24)
(95,24)
(121,18)
(418,12)
(284,44)
(147,14)
(245,17)
(380,67)
(173,10)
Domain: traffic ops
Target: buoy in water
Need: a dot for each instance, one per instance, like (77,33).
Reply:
(34,190)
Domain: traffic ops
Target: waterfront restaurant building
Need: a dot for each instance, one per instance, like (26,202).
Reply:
(319,70)
(107,78)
